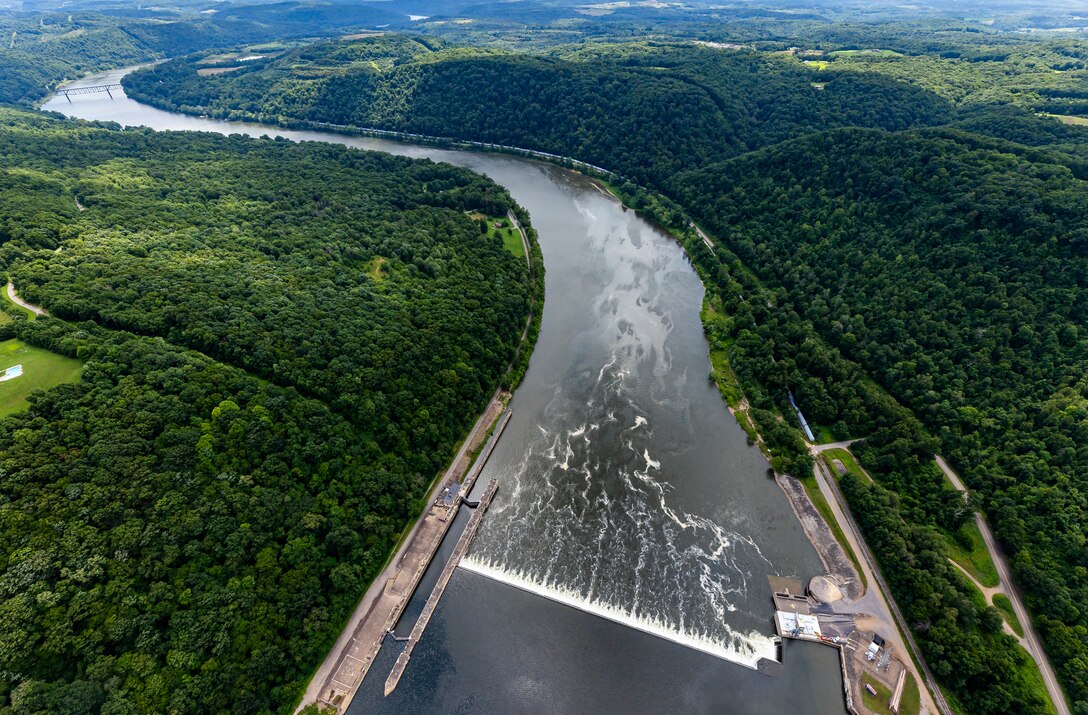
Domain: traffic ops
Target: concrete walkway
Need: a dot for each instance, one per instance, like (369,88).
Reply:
(1031,639)
(22,303)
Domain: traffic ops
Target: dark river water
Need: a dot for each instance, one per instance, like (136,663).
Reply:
(622,567)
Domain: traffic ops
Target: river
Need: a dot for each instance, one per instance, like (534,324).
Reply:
(622,567)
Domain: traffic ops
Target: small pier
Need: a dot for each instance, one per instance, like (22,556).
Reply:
(440,587)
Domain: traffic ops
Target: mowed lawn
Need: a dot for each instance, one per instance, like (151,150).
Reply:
(41,370)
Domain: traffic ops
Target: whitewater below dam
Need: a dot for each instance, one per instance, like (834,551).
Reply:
(622,566)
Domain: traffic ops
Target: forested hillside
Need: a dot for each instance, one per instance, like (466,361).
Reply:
(186,531)
(950,264)
(647,112)
(954,270)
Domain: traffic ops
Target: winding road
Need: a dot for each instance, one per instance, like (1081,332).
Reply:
(22,303)
(1031,639)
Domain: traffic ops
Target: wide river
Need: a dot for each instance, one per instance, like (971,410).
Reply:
(622,567)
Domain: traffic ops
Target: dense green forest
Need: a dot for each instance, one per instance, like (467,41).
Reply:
(953,269)
(283,342)
(925,229)
(646,111)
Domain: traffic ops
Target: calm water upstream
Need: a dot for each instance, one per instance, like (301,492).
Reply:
(622,567)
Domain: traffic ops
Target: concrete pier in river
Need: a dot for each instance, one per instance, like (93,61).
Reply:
(355,660)
(447,573)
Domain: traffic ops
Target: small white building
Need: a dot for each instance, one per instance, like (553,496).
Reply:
(797,625)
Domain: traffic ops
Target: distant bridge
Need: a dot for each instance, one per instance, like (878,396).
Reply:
(87,90)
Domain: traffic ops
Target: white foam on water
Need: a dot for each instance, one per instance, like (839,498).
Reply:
(640,420)
(745,649)
(650,463)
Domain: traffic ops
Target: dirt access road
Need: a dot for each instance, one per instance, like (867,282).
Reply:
(1031,639)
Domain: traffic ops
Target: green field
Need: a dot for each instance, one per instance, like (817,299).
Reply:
(511,240)
(1029,671)
(976,560)
(1069,119)
(510,236)
(909,703)
(847,460)
(41,370)
(865,53)
(1003,604)
(375,268)
(967,549)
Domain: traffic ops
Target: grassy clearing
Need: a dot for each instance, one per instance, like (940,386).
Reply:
(41,370)
(1069,119)
(510,236)
(4,318)
(975,559)
(1003,604)
(865,53)
(911,702)
(511,241)
(879,702)
(1033,679)
(847,460)
(375,268)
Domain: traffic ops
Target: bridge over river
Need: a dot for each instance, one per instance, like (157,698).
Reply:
(93,89)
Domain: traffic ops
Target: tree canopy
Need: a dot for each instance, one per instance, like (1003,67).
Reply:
(283,342)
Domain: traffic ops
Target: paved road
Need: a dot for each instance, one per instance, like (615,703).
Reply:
(877,601)
(377,587)
(1031,638)
(22,303)
(845,444)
